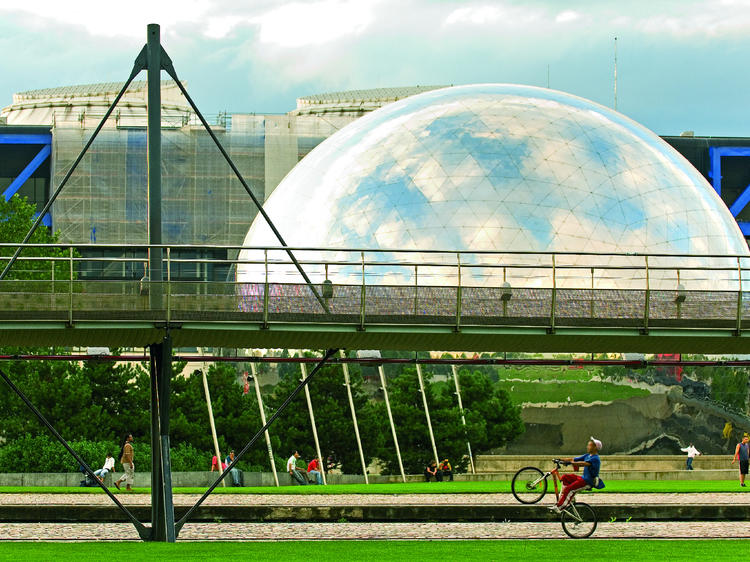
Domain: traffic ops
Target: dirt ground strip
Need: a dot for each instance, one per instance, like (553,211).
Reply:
(372,531)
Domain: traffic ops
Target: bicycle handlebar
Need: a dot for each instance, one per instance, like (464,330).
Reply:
(559,462)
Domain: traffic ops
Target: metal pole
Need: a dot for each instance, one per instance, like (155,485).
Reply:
(303,369)
(381,372)
(354,417)
(162,506)
(458,294)
(363,297)
(70,289)
(615,80)
(554,296)
(739,297)
(647,303)
(463,417)
(427,411)
(253,370)
(153,133)
(213,426)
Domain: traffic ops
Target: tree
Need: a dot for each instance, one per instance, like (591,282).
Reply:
(236,415)
(16,219)
(490,408)
(491,420)
(332,417)
(89,400)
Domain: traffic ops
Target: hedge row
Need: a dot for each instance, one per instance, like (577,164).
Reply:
(44,454)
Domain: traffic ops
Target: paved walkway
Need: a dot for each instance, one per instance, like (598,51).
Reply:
(373,499)
(385,531)
(373,531)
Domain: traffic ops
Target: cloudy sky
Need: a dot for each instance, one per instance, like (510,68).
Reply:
(682,64)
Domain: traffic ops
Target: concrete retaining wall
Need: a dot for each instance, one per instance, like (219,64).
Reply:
(374,513)
(205,479)
(660,463)
(189,479)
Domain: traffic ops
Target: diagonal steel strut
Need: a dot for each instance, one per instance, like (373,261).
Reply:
(138,65)
(330,353)
(169,69)
(143,531)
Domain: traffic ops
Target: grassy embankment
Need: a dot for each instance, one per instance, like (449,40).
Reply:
(539,384)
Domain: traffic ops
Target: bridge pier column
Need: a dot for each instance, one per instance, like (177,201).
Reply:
(162,507)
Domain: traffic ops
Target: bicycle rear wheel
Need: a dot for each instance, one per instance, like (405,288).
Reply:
(529,485)
(579,520)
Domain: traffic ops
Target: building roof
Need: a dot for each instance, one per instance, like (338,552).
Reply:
(84,90)
(357,100)
(374,94)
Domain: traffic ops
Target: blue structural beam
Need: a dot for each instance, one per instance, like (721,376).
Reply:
(30,168)
(10,138)
(716,153)
(46,221)
(741,202)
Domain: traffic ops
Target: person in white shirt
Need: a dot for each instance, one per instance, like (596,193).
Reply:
(109,465)
(692,452)
(294,472)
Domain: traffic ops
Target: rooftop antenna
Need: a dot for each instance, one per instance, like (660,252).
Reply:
(615,73)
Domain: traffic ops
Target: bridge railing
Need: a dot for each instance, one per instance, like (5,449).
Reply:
(367,287)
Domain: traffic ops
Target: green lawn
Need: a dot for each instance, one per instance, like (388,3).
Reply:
(550,549)
(613,486)
(535,392)
(537,373)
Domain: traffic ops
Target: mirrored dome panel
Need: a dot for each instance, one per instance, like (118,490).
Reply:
(502,168)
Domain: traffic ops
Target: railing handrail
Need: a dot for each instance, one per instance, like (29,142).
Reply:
(376,263)
(447,252)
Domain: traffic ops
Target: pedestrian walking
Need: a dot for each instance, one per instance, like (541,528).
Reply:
(692,452)
(127,457)
(742,454)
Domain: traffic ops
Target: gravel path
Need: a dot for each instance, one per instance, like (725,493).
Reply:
(373,531)
(371,499)
(349,531)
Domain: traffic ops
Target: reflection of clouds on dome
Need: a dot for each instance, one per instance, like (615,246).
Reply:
(502,168)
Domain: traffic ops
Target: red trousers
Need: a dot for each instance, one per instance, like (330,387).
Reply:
(571,482)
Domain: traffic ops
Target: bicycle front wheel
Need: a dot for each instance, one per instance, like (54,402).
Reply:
(529,485)
(579,520)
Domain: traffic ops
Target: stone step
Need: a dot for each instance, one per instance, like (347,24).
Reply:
(503,463)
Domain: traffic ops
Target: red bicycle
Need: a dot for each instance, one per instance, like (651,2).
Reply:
(529,486)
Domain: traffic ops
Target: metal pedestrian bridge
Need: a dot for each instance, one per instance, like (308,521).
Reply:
(376,299)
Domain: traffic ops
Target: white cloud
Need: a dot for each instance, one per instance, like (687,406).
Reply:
(112,19)
(478,15)
(301,24)
(567,16)
(219,27)
(482,15)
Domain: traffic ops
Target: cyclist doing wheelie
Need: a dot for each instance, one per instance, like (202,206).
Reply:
(573,483)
